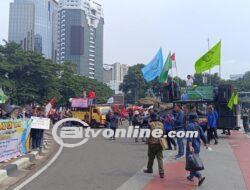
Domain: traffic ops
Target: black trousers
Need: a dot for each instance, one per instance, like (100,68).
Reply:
(171,142)
(246,127)
(212,134)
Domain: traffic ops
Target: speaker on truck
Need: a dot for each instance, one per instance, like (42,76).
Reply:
(171,92)
(227,122)
(224,93)
(227,117)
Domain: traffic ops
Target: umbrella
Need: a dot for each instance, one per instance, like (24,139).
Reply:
(135,108)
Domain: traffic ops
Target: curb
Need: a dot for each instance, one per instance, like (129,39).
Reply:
(19,164)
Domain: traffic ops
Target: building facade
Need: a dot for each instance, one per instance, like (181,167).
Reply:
(80,36)
(236,76)
(114,75)
(31,23)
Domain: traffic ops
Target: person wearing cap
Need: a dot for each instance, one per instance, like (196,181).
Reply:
(154,147)
(194,144)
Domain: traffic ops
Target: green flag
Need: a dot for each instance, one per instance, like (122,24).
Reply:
(209,60)
(3,97)
(234,100)
(164,72)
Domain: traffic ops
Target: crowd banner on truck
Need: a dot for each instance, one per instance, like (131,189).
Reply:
(40,123)
(80,103)
(14,135)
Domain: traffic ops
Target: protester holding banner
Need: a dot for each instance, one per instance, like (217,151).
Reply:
(37,134)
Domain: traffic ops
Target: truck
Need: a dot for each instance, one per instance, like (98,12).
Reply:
(94,115)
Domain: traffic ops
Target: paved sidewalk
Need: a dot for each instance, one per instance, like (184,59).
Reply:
(227,167)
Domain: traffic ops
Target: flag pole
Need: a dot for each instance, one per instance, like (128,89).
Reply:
(172,81)
(220,70)
(177,72)
(208,47)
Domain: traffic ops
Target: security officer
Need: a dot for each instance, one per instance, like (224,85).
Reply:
(154,147)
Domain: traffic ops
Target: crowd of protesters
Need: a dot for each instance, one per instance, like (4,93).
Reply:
(181,118)
(26,112)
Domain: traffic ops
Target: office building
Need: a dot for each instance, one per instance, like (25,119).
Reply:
(80,36)
(32,24)
(113,76)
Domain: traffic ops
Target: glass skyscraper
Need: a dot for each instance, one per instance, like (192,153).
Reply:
(35,19)
(80,36)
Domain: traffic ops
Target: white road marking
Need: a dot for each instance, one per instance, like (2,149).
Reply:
(27,181)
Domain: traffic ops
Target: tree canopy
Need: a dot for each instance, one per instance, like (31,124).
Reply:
(28,77)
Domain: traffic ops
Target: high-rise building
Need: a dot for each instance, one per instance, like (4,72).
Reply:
(80,36)
(113,75)
(31,23)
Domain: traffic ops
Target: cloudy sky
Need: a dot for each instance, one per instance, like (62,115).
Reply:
(135,29)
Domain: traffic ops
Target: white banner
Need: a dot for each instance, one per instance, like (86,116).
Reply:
(40,123)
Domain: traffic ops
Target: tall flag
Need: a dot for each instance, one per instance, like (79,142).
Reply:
(153,68)
(166,68)
(173,60)
(209,60)
(234,100)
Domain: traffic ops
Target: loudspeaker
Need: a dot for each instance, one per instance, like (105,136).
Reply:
(223,109)
(224,93)
(171,92)
(167,94)
(227,117)
(227,122)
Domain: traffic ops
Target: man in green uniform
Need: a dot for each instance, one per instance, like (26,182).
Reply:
(154,147)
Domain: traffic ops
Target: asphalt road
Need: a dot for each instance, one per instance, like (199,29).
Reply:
(99,164)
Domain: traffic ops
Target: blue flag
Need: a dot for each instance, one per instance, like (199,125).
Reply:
(153,68)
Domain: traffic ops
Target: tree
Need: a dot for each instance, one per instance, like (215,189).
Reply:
(212,79)
(28,77)
(134,85)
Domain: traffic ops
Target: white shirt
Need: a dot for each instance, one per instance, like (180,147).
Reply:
(189,82)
